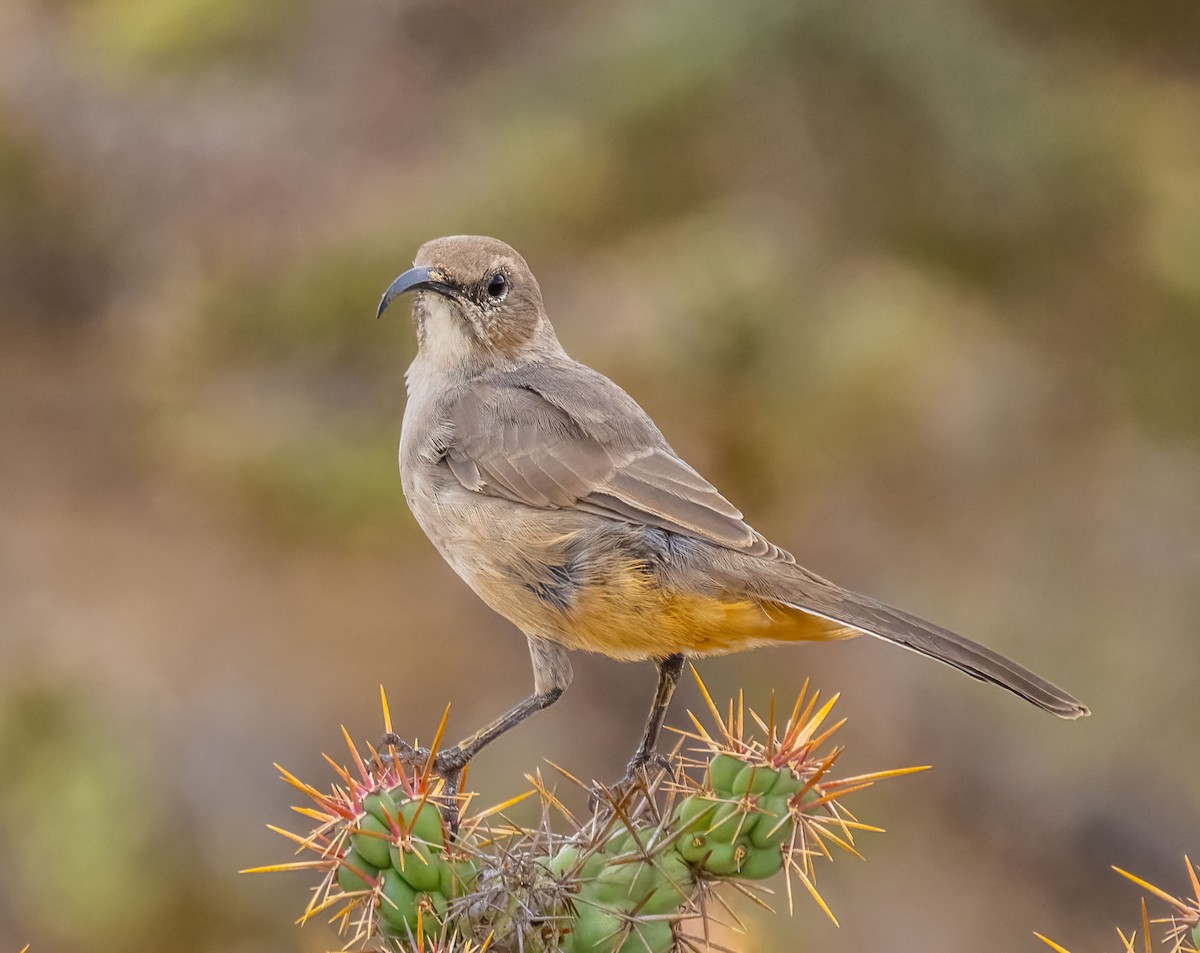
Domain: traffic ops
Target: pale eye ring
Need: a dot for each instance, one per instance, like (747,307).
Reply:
(497,286)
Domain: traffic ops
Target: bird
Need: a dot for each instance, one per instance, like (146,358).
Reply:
(556,498)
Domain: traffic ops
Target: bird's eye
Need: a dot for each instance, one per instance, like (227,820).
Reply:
(497,286)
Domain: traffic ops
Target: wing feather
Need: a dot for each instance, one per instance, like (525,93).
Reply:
(556,436)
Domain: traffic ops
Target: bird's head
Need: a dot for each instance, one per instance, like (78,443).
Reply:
(477,303)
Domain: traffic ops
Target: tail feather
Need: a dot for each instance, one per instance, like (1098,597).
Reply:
(866,615)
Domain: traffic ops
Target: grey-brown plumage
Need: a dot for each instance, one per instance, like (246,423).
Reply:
(554,495)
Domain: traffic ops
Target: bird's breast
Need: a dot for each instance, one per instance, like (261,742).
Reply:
(582,581)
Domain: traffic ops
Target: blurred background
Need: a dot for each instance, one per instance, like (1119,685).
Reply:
(915,282)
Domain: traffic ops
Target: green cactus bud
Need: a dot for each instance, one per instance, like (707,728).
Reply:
(565,861)
(433,906)
(649,936)
(657,885)
(693,847)
(352,866)
(613,894)
(397,904)
(774,825)
(786,783)
(423,821)
(382,806)
(457,877)
(722,861)
(618,873)
(371,839)
(722,769)
(695,812)
(627,841)
(725,860)
(762,863)
(620,843)
(730,821)
(645,875)
(753,779)
(418,865)
(812,794)
(667,891)
(1196,936)
(592,865)
(596,930)
(613,884)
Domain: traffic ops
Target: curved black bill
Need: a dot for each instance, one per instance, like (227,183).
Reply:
(414,279)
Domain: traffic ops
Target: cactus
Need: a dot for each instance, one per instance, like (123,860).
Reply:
(1182,928)
(398,845)
(406,868)
(738,808)
(1180,932)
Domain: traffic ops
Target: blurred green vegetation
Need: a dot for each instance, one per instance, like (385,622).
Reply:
(92,856)
(329,471)
(148,37)
(312,311)
(340,486)
(934,140)
(53,263)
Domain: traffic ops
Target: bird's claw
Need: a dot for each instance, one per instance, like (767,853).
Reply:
(448,763)
(650,766)
(644,772)
(393,748)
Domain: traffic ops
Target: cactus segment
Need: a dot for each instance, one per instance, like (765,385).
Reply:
(627,879)
(418,865)
(381,806)
(422,821)
(722,770)
(397,904)
(371,839)
(753,779)
(351,871)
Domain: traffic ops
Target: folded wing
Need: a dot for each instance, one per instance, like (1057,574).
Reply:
(560,436)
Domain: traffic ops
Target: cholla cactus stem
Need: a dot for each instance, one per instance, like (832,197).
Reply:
(759,799)
(1184,932)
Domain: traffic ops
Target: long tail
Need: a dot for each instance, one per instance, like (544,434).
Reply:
(818,597)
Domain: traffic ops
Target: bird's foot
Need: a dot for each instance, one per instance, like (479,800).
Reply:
(642,776)
(448,764)
(392,748)
(649,766)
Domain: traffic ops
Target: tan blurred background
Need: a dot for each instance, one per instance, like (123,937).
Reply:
(915,282)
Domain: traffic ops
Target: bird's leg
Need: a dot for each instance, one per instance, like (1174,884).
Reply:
(669,670)
(551,677)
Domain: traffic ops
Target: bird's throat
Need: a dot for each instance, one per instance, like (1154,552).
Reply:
(443,337)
